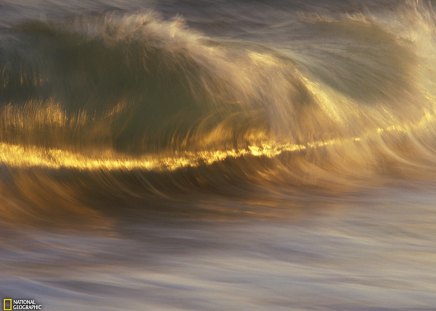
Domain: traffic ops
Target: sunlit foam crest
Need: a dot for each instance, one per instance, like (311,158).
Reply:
(17,156)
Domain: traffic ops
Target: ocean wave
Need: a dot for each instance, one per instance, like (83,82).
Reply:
(348,98)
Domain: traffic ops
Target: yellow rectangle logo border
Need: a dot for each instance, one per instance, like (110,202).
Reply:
(5,300)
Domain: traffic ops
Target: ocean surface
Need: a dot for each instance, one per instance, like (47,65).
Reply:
(218,155)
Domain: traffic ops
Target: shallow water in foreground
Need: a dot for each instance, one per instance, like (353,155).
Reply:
(374,250)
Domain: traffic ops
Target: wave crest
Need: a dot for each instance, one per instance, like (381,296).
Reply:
(136,92)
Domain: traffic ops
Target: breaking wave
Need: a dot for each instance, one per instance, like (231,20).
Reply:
(142,104)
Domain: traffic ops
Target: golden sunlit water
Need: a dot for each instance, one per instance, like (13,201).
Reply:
(26,157)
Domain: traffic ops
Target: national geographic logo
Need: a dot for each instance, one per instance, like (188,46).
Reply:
(7,304)
(10,304)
